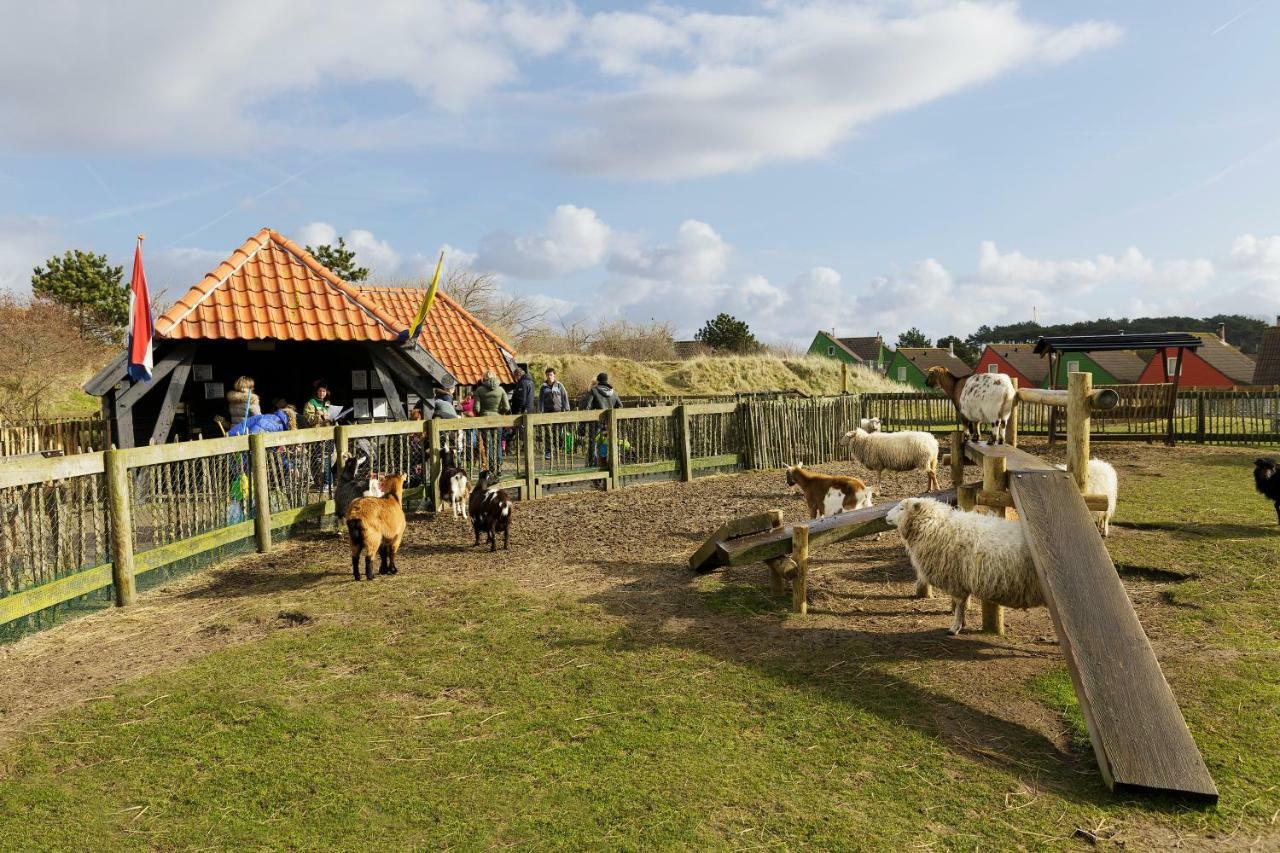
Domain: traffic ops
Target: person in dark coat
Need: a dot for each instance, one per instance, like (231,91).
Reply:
(601,395)
(551,396)
(524,395)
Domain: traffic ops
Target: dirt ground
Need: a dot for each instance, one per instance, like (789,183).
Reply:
(626,551)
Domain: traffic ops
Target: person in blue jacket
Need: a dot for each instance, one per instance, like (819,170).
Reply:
(285,417)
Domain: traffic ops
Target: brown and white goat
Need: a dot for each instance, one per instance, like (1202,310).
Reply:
(376,526)
(979,398)
(491,509)
(827,495)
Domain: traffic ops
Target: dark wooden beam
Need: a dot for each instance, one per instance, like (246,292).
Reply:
(388,384)
(408,376)
(177,383)
(426,362)
(1173,405)
(170,360)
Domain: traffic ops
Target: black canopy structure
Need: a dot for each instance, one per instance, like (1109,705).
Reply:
(1053,346)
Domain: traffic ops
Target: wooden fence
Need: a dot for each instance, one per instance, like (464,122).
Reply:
(69,435)
(1200,416)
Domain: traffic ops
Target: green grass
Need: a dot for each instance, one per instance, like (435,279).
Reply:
(473,715)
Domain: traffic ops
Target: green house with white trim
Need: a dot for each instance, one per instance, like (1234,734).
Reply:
(910,365)
(870,351)
(1119,367)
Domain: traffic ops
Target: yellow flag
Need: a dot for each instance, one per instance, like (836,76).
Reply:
(421,318)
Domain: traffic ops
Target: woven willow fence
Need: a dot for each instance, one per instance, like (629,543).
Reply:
(69,435)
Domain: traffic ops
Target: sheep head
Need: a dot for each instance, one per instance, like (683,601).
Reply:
(869,425)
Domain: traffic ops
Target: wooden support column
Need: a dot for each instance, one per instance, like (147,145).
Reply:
(683,446)
(1011,431)
(844,377)
(994,479)
(957,459)
(388,385)
(120,514)
(434,464)
(1079,387)
(528,431)
(169,406)
(341,444)
(261,491)
(615,452)
(800,555)
(1171,439)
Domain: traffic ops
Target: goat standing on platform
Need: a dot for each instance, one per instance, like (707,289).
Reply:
(981,398)
(827,495)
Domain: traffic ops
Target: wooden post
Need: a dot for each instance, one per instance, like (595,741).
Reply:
(1173,409)
(800,555)
(433,454)
(957,458)
(615,452)
(1011,431)
(844,377)
(1079,387)
(683,446)
(1200,407)
(340,444)
(994,479)
(120,512)
(261,491)
(528,432)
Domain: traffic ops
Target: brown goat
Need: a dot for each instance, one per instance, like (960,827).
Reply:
(827,495)
(376,526)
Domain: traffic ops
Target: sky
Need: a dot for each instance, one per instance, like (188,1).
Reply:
(862,167)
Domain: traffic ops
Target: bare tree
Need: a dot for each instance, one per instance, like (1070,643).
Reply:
(510,315)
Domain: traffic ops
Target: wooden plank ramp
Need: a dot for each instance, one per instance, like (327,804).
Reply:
(1139,736)
(720,550)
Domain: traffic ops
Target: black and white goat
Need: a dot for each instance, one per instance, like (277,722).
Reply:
(453,485)
(490,509)
(1266,477)
(356,480)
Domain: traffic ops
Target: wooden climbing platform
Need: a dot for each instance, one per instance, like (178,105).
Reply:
(1138,733)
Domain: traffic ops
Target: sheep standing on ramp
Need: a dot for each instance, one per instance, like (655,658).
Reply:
(894,451)
(967,553)
(981,398)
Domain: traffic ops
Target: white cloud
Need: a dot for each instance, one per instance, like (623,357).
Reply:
(751,89)
(25,243)
(1257,256)
(372,253)
(572,239)
(220,76)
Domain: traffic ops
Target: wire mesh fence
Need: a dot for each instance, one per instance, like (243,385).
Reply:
(301,474)
(644,441)
(179,500)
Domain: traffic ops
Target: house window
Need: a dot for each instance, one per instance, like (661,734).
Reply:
(902,373)
(1073,367)
(831,350)
(993,368)
(1171,366)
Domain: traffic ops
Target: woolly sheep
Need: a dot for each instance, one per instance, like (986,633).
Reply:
(1101,479)
(894,451)
(967,553)
(980,398)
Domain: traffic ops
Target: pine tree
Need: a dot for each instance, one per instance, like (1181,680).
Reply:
(728,334)
(340,260)
(90,288)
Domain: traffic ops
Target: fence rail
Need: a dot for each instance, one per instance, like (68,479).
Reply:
(72,526)
(69,435)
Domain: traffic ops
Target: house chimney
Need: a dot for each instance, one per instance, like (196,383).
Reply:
(951,348)
(1222,332)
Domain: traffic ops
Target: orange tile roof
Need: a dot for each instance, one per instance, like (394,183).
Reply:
(272,289)
(464,345)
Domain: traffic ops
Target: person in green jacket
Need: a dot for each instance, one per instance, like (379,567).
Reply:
(492,400)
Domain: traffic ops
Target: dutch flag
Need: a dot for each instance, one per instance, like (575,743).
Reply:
(141,327)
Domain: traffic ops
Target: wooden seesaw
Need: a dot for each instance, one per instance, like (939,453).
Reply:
(1139,736)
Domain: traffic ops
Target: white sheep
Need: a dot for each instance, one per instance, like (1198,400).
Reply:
(894,451)
(1101,479)
(967,553)
(980,398)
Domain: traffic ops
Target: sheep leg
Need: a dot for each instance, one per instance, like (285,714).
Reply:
(923,589)
(368,567)
(934,485)
(958,606)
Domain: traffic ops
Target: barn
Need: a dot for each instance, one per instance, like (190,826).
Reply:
(273,312)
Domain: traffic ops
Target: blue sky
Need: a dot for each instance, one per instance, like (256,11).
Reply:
(866,166)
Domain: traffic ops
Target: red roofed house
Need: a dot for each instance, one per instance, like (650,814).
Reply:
(1018,361)
(1216,364)
(272,312)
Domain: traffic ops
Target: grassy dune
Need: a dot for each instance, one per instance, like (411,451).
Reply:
(710,375)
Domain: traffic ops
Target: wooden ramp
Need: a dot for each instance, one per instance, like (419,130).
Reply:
(722,549)
(1138,733)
